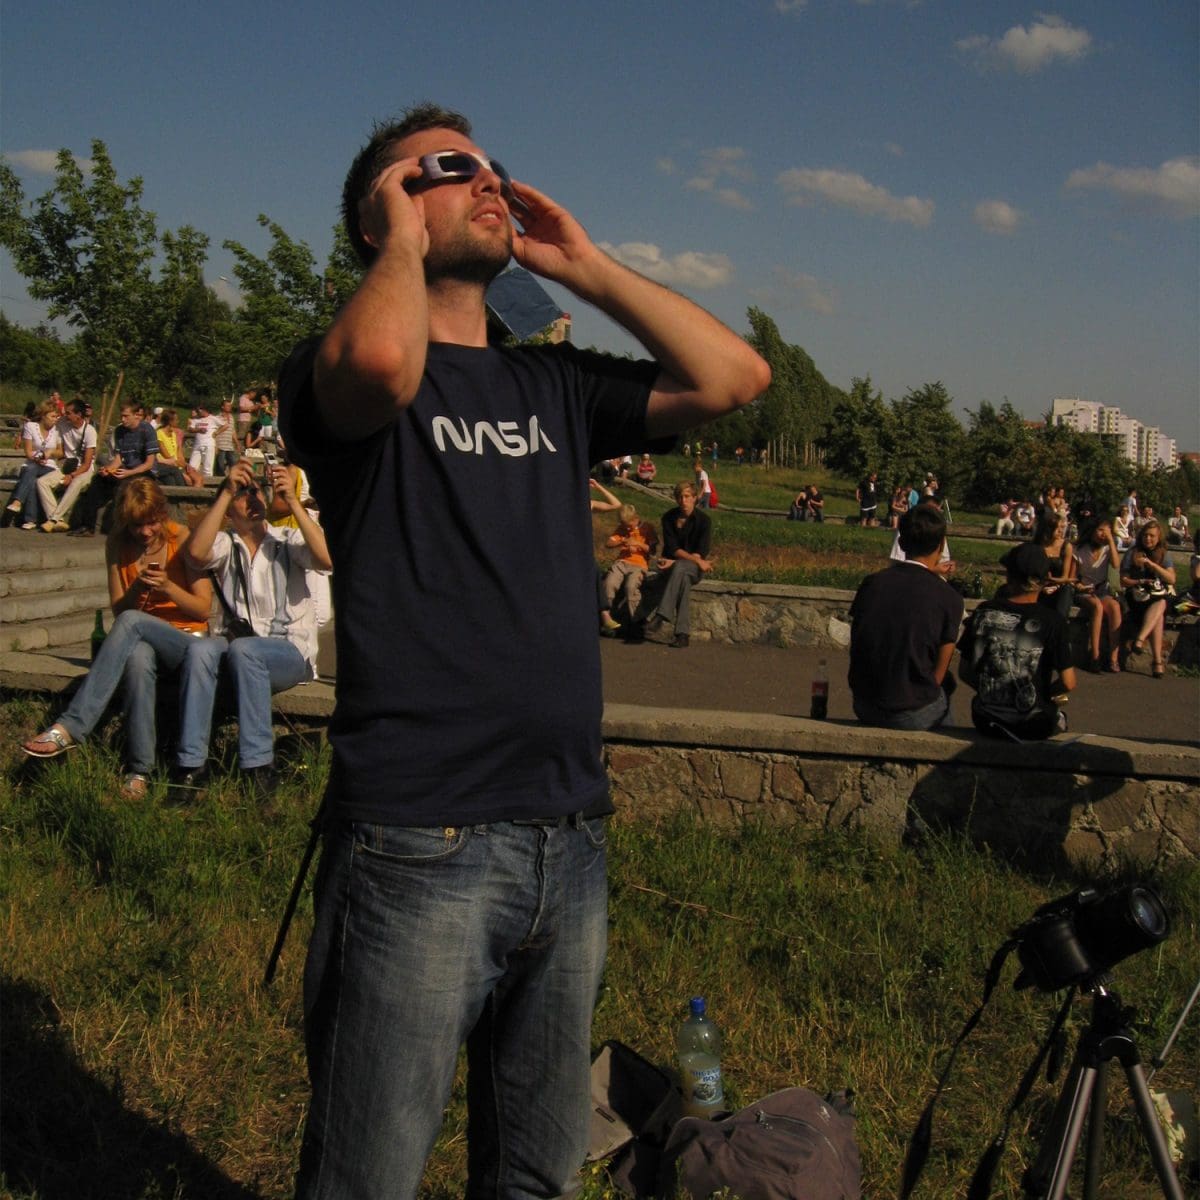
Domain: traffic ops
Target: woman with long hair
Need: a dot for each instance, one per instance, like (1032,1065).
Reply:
(1050,533)
(1147,575)
(1094,556)
(39,440)
(160,605)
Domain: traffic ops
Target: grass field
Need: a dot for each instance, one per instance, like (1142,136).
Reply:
(142,1058)
(757,549)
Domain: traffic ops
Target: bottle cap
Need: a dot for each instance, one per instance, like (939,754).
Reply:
(697,1006)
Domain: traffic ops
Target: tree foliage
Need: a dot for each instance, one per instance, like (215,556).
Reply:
(87,247)
(285,298)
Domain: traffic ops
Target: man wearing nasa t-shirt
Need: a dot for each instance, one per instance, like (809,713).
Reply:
(461,894)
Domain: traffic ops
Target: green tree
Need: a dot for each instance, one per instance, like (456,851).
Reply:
(859,435)
(796,409)
(285,299)
(925,437)
(996,452)
(37,357)
(86,247)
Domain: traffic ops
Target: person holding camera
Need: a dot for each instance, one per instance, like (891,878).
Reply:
(266,627)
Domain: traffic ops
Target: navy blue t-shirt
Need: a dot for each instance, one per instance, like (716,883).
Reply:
(464,582)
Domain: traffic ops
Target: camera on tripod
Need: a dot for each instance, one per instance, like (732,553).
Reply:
(1084,934)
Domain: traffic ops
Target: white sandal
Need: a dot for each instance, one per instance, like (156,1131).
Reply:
(57,736)
(135,786)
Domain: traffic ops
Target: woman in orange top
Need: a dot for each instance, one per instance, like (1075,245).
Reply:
(159,605)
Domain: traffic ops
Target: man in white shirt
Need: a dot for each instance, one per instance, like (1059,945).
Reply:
(77,436)
(267,626)
(203,426)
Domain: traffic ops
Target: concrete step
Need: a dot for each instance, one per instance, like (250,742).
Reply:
(49,608)
(32,551)
(65,630)
(53,579)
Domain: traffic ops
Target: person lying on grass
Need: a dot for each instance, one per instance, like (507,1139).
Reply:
(161,608)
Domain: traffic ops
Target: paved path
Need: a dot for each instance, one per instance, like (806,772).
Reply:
(716,675)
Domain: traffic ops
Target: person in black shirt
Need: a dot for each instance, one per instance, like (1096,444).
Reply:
(904,623)
(867,495)
(1010,650)
(687,542)
(462,890)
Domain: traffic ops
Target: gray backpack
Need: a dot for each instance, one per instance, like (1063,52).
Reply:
(791,1145)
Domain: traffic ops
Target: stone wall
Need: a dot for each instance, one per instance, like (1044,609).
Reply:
(1084,803)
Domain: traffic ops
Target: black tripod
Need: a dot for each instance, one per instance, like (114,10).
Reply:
(1108,1037)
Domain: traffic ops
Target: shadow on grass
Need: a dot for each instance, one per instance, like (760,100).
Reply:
(65,1135)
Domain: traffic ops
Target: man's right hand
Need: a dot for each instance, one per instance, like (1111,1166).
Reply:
(389,211)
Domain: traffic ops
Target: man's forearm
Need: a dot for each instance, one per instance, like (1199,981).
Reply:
(710,369)
(371,360)
(200,543)
(313,534)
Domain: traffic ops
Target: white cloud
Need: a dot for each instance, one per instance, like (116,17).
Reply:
(225,290)
(997,216)
(1173,188)
(718,164)
(847,189)
(666,165)
(1029,49)
(690,268)
(790,289)
(45,162)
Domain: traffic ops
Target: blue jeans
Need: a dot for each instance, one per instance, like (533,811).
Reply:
(259,667)
(25,490)
(136,646)
(927,717)
(426,938)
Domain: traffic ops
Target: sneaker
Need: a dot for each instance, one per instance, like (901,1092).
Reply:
(15,506)
(608,625)
(680,642)
(186,784)
(655,623)
(29,525)
(54,526)
(135,786)
(1060,722)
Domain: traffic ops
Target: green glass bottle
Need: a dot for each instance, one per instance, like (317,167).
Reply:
(98,633)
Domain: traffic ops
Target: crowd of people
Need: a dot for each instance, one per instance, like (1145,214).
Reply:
(69,477)
(197,606)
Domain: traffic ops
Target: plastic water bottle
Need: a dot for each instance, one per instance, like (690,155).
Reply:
(700,1063)
(819,709)
(98,634)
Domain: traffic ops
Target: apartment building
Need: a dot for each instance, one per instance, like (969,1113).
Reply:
(1144,445)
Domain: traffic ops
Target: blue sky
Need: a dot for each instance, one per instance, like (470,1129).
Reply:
(1001,196)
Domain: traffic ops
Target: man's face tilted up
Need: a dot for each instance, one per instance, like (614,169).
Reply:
(470,231)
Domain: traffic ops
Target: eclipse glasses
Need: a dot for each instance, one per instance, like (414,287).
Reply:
(457,166)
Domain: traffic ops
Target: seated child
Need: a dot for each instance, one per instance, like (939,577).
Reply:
(636,540)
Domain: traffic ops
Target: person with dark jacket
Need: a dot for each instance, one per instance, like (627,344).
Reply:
(136,443)
(687,541)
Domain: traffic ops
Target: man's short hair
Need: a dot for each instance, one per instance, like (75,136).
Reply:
(378,154)
(685,486)
(77,407)
(922,531)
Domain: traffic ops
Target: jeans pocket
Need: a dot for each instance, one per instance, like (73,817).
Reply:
(596,829)
(411,843)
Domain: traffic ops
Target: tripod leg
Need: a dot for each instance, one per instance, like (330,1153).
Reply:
(1049,1174)
(1156,1140)
(1095,1142)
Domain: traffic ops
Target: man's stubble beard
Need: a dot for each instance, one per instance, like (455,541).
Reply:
(468,258)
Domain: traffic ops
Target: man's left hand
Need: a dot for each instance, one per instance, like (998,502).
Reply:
(551,242)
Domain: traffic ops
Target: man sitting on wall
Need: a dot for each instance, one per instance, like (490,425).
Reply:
(903,625)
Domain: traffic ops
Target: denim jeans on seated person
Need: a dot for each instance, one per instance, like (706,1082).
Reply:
(136,647)
(928,717)
(258,667)
(426,938)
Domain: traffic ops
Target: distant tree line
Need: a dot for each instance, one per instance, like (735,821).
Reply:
(139,310)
